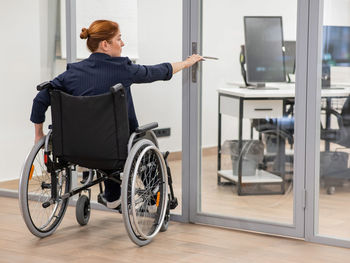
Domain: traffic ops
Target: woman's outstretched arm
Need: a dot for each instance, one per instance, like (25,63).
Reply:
(164,71)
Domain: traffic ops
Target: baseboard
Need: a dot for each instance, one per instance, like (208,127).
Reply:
(72,202)
(177,156)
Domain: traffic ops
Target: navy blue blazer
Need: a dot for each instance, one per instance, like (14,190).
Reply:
(95,75)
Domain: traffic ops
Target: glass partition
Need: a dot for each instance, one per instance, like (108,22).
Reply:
(247,110)
(333,181)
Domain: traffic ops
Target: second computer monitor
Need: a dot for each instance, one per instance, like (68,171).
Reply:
(336,45)
(263,49)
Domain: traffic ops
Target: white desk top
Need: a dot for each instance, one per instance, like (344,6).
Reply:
(285,90)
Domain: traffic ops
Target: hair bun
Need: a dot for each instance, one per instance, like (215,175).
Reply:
(84,33)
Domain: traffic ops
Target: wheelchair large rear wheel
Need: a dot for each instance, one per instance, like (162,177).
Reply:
(35,189)
(144,192)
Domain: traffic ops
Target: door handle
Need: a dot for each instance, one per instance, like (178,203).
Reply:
(195,66)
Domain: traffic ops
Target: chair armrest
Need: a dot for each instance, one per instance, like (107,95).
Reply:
(146,127)
(285,134)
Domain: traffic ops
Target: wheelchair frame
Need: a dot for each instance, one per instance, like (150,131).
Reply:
(53,166)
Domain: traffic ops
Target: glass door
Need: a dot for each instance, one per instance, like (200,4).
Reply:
(328,166)
(248,114)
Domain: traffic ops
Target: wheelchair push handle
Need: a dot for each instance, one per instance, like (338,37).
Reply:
(44,85)
(47,85)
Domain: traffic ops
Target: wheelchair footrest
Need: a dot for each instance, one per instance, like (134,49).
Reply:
(173,203)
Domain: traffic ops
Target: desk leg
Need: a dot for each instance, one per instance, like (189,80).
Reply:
(240,131)
(328,121)
(281,153)
(251,131)
(281,160)
(219,142)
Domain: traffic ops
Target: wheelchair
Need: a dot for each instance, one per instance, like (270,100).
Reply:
(93,132)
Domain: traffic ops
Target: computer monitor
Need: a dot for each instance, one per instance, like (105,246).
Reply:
(336,45)
(263,49)
(335,51)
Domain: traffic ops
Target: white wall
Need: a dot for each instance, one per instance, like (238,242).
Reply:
(19,74)
(336,13)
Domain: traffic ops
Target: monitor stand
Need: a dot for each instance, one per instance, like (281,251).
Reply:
(259,86)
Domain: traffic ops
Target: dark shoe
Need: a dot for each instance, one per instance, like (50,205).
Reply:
(85,177)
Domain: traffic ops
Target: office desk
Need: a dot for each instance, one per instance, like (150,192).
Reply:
(259,104)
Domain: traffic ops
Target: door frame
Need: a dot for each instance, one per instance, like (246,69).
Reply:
(297,228)
(313,129)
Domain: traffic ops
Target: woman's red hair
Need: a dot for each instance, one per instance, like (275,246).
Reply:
(98,31)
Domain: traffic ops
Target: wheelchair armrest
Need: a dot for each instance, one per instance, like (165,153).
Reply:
(44,85)
(146,127)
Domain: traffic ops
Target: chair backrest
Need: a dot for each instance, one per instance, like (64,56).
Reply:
(345,113)
(91,131)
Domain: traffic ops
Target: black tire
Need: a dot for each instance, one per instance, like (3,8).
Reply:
(141,223)
(82,210)
(40,221)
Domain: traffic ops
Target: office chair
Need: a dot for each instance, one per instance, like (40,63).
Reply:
(276,133)
(341,135)
(334,164)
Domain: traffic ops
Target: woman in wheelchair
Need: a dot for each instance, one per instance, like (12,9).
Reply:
(94,125)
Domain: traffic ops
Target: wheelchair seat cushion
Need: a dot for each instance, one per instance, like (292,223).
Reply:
(91,131)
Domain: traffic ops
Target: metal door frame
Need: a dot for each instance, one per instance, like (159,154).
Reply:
(313,129)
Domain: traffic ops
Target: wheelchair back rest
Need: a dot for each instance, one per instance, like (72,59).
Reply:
(91,131)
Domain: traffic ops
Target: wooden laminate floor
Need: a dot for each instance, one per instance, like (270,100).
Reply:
(104,240)
(334,212)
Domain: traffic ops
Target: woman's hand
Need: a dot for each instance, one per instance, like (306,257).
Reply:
(191,60)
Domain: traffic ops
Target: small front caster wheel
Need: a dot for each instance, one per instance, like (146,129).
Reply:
(82,210)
